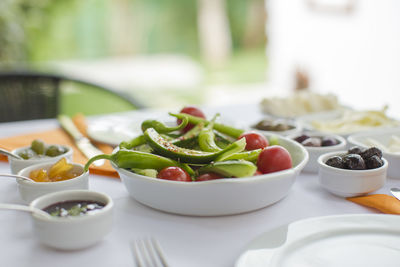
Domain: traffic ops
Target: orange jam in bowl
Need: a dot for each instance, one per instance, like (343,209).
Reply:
(60,171)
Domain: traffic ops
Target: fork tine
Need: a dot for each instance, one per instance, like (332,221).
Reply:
(160,252)
(147,253)
(137,256)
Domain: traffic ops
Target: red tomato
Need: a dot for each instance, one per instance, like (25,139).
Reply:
(175,174)
(273,159)
(191,111)
(208,176)
(254,140)
(257,173)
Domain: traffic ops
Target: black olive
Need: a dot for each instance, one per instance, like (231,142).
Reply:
(329,141)
(372,151)
(335,161)
(354,162)
(373,162)
(312,141)
(355,150)
(301,138)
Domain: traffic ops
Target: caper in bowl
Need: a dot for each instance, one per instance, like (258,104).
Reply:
(38,152)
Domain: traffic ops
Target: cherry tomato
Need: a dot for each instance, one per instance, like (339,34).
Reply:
(191,111)
(174,174)
(273,159)
(254,140)
(208,176)
(257,173)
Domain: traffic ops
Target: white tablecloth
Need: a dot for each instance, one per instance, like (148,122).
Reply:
(187,241)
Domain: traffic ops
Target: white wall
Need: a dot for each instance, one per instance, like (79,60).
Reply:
(355,55)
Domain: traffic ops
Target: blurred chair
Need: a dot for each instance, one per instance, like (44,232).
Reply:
(34,95)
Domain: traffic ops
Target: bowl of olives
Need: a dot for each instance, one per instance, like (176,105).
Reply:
(38,152)
(388,140)
(354,172)
(283,127)
(317,144)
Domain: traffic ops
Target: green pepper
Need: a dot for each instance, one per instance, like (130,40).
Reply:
(137,141)
(231,168)
(228,130)
(223,140)
(146,172)
(128,159)
(161,127)
(251,155)
(191,134)
(207,137)
(168,149)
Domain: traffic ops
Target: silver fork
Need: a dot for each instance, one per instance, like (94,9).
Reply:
(147,252)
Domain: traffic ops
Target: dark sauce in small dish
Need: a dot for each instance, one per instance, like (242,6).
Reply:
(74,208)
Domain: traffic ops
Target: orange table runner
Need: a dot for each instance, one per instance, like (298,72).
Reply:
(384,203)
(59,136)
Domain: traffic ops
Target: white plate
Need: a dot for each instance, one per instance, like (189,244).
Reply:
(351,126)
(367,240)
(113,129)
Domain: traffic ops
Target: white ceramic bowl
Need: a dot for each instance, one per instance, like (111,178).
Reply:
(383,137)
(30,190)
(76,232)
(315,152)
(18,164)
(216,197)
(350,183)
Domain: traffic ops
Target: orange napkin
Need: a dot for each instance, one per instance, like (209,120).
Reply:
(59,136)
(384,203)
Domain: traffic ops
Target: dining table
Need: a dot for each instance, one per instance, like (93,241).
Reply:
(187,241)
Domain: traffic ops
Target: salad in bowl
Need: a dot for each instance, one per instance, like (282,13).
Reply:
(201,167)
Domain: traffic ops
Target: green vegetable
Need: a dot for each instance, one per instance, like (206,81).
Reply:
(146,172)
(38,146)
(207,138)
(189,135)
(223,140)
(143,148)
(54,151)
(161,127)
(168,149)
(273,140)
(228,130)
(128,159)
(230,150)
(231,168)
(251,155)
(137,141)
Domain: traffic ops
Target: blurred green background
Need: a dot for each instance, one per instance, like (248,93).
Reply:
(225,38)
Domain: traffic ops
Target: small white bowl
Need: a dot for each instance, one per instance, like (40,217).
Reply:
(18,164)
(216,197)
(75,232)
(350,183)
(30,190)
(315,152)
(383,137)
